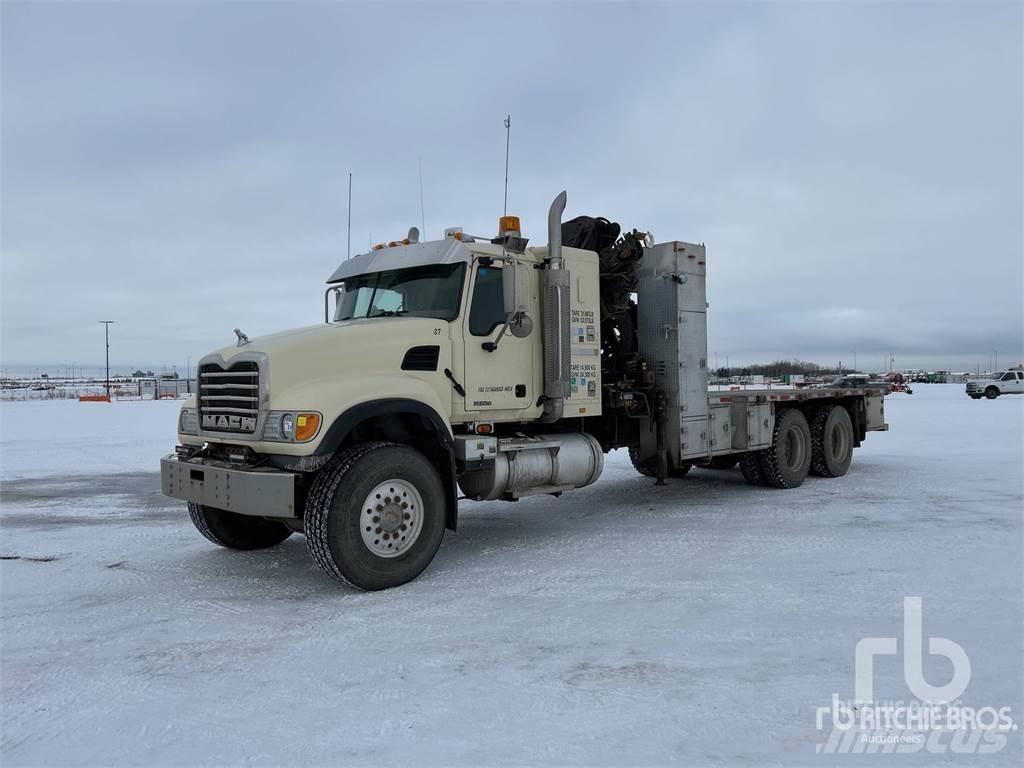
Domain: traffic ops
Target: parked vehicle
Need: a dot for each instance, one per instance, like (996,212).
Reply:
(996,384)
(485,368)
(859,381)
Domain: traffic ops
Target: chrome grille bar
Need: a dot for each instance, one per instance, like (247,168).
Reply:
(229,397)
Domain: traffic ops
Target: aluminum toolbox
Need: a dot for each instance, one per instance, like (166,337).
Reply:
(672,333)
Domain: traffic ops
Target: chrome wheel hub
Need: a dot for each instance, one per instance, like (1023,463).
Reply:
(391,518)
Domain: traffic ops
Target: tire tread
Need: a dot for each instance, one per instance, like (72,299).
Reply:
(770,456)
(318,504)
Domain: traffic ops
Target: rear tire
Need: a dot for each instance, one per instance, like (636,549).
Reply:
(375,515)
(724,462)
(786,463)
(992,393)
(648,471)
(234,531)
(750,466)
(831,441)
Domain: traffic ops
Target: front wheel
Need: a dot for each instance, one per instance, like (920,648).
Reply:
(375,515)
(992,393)
(234,531)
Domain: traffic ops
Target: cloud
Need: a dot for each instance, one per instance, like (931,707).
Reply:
(855,170)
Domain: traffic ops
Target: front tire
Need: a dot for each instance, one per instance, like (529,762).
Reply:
(375,515)
(234,531)
(786,463)
(992,393)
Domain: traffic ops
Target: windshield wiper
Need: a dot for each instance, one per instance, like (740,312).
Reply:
(389,313)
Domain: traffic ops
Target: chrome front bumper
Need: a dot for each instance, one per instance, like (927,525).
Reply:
(256,492)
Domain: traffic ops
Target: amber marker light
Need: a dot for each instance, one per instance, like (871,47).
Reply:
(306,426)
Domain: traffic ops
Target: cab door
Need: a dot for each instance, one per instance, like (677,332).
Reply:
(501,380)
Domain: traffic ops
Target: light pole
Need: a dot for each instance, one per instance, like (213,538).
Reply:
(106,332)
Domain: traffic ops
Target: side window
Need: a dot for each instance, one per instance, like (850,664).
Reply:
(1008,376)
(487,311)
(1020,374)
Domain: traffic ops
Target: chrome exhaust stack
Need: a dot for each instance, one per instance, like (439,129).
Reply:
(556,297)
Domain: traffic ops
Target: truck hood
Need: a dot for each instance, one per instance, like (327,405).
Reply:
(349,334)
(337,350)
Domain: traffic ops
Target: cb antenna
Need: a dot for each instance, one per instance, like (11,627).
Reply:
(349,239)
(423,219)
(508,133)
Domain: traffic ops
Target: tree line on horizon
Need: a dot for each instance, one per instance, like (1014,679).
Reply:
(778,369)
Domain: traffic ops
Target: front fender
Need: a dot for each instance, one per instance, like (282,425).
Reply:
(443,452)
(334,398)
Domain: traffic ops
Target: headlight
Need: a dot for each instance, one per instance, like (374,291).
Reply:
(291,427)
(188,421)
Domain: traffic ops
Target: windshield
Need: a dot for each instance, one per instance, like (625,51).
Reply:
(430,291)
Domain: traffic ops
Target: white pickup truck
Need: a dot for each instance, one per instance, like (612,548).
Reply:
(1000,383)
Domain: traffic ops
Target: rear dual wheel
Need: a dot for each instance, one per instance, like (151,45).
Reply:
(823,447)
(787,461)
(647,469)
(750,466)
(831,441)
(724,462)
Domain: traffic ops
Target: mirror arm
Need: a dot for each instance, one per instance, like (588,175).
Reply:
(490,346)
(326,294)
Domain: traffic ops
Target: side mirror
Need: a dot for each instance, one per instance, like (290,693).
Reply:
(515,283)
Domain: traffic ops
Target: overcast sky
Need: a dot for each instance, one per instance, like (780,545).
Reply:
(855,170)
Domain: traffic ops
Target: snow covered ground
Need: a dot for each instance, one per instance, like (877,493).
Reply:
(697,624)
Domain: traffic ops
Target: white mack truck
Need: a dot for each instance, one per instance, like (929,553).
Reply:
(481,368)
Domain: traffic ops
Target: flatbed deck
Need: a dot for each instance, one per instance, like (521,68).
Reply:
(788,393)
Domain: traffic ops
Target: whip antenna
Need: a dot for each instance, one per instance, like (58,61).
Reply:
(508,133)
(423,221)
(349,239)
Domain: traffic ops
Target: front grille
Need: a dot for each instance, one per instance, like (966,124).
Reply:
(229,398)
